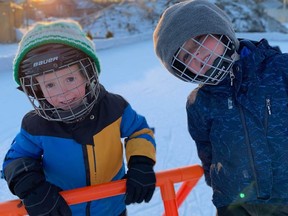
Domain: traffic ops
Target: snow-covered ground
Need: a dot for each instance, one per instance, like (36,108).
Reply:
(132,70)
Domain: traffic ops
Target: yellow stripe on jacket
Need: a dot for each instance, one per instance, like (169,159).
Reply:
(106,156)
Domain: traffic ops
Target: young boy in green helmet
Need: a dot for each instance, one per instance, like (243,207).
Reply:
(72,139)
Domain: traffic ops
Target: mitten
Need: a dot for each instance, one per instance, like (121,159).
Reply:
(141,180)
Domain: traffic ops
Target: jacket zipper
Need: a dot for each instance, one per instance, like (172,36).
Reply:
(94,158)
(248,146)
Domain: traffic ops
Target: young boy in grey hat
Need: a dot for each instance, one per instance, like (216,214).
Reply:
(72,139)
(238,115)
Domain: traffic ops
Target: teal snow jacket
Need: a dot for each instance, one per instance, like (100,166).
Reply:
(240,128)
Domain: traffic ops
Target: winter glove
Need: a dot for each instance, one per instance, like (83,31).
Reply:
(26,180)
(141,180)
(46,200)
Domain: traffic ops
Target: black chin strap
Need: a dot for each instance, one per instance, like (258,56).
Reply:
(219,67)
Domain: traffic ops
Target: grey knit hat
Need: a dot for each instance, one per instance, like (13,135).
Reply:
(185,20)
(67,32)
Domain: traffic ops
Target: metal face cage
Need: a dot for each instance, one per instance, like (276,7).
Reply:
(73,111)
(211,67)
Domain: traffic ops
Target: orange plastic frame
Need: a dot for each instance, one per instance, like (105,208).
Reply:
(165,180)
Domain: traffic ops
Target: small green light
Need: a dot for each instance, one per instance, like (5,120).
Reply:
(242,195)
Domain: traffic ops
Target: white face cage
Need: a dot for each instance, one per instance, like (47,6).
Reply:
(205,59)
(71,113)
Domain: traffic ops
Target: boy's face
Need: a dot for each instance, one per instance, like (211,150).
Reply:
(64,89)
(199,53)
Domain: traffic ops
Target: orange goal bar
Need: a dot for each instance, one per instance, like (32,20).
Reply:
(165,180)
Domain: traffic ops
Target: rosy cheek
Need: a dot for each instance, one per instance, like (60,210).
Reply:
(81,90)
(219,50)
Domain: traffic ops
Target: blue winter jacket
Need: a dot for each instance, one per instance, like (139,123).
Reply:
(88,152)
(240,128)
